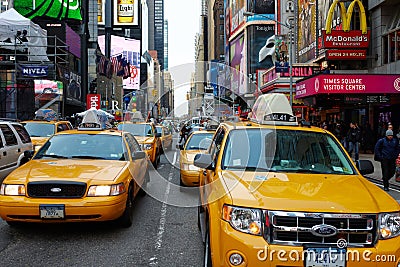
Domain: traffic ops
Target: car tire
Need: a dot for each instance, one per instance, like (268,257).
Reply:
(126,219)
(13,223)
(207,262)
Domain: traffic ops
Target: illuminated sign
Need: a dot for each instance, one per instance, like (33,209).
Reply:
(126,12)
(58,9)
(346,54)
(346,38)
(34,71)
(348,84)
(93,101)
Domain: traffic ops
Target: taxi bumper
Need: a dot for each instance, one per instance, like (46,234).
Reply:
(255,251)
(22,209)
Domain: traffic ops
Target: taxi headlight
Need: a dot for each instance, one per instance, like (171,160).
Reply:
(12,190)
(189,167)
(147,146)
(389,225)
(106,190)
(243,219)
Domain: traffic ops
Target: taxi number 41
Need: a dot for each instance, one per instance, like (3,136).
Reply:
(52,211)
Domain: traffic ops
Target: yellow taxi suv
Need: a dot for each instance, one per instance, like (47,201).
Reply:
(166,137)
(281,193)
(197,142)
(41,130)
(84,175)
(148,138)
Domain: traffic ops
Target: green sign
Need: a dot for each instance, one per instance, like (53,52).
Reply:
(58,9)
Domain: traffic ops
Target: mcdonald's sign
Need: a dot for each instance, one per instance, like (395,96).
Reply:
(346,38)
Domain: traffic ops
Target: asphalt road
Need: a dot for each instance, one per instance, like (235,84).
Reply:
(161,235)
(164,232)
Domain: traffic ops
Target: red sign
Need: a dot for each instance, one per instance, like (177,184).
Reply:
(350,39)
(335,54)
(93,101)
(349,84)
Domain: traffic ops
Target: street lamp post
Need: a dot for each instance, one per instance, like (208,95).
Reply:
(290,27)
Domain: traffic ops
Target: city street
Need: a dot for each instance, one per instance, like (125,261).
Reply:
(164,232)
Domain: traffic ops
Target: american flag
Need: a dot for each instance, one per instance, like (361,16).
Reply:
(116,61)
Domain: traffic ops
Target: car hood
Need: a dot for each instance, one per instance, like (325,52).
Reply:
(144,139)
(67,169)
(188,155)
(310,192)
(39,140)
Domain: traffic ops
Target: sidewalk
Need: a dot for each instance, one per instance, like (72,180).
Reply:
(377,169)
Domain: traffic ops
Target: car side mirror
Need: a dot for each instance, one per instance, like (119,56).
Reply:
(204,161)
(139,155)
(365,166)
(29,154)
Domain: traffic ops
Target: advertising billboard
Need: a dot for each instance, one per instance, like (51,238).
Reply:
(236,9)
(128,49)
(47,89)
(54,9)
(306,39)
(126,12)
(101,12)
(263,9)
(323,11)
(237,63)
(261,47)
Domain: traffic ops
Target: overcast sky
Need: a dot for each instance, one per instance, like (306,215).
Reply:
(183,23)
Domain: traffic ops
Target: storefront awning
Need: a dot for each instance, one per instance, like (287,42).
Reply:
(348,84)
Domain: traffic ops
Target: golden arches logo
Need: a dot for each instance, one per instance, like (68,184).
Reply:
(346,16)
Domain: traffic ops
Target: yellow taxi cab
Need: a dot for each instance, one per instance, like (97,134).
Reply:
(197,142)
(41,130)
(89,174)
(147,137)
(166,137)
(277,192)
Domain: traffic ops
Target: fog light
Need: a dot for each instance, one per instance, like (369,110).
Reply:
(236,259)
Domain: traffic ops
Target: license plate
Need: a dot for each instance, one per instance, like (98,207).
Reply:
(325,257)
(52,211)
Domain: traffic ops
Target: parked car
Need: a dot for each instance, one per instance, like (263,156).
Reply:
(14,141)
(166,137)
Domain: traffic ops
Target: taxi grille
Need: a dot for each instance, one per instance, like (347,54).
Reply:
(56,189)
(296,228)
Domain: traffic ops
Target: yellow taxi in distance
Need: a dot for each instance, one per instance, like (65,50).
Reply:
(147,137)
(87,174)
(41,130)
(197,142)
(277,192)
(166,137)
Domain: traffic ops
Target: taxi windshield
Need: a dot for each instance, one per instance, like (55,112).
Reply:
(284,151)
(159,129)
(84,146)
(199,141)
(39,129)
(137,129)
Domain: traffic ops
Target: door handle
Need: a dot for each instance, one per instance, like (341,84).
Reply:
(4,153)
(204,173)
(19,150)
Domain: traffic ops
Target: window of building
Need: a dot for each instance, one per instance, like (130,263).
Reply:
(391,40)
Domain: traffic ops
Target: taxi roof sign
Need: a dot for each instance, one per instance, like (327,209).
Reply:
(90,121)
(273,108)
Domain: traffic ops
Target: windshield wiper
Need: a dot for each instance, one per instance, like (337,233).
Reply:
(249,168)
(306,171)
(86,157)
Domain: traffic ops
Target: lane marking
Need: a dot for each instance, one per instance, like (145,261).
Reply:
(174,160)
(161,225)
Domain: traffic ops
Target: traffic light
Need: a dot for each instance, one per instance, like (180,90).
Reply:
(133,101)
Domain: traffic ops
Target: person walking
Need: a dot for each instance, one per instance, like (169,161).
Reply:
(386,151)
(353,139)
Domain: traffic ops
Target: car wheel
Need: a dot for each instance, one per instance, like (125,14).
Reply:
(127,217)
(207,250)
(156,161)
(181,182)
(13,223)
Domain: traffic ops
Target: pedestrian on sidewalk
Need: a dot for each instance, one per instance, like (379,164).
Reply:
(353,139)
(386,151)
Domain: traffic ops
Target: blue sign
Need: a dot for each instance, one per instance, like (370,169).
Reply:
(34,71)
